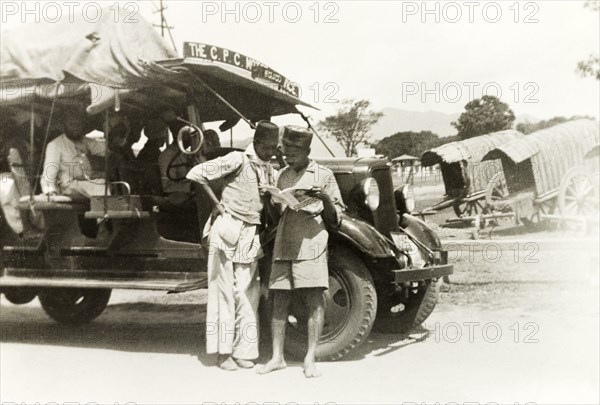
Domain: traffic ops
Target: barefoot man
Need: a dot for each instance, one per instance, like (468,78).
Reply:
(300,252)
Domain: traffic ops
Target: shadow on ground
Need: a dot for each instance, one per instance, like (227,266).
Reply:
(152,328)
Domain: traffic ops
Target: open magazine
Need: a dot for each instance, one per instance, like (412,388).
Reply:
(292,197)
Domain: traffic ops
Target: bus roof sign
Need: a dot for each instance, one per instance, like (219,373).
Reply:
(257,69)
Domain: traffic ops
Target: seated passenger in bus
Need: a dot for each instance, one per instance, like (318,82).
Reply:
(68,166)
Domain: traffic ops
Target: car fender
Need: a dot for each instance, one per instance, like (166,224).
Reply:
(419,230)
(363,236)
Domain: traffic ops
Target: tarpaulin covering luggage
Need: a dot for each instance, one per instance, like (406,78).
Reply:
(105,55)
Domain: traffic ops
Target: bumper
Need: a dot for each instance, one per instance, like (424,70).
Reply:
(425,273)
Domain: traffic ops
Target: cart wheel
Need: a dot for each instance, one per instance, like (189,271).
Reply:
(496,193)
(535,221)
(577,194)
(467,208)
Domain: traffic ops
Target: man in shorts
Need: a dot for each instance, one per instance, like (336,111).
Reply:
(300,252)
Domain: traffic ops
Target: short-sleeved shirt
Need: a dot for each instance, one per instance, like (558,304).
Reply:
(240,196)
(230,163)
(302,234)
(245,165)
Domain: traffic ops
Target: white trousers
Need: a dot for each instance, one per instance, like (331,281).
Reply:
(232,310)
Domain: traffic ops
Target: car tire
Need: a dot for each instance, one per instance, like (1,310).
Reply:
(416,309)
(19,295)
(74,306)
(350,309)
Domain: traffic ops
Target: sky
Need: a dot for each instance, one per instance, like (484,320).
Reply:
(420,56)
(384,52)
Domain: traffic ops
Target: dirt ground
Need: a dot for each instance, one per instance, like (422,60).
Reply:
(519,323)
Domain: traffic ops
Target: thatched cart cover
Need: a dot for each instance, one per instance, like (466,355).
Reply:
(474,174)
(549,153)
(593,153)
(470,150)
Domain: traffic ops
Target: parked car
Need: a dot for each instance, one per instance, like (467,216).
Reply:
(72,252)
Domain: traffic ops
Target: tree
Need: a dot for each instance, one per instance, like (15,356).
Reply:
(591,66)
(407,143)
(530,127)
(351,124)
(483,116)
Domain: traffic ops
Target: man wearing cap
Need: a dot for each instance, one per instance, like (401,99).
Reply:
(300,252)
(234,247)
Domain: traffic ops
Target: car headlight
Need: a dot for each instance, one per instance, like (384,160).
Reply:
(409,198)
(371,193)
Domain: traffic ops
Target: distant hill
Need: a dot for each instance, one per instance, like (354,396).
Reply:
(526,118)
(394,120)
(398,120)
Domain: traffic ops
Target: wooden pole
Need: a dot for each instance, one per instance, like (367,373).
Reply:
(106,153)
(162,19)
(31,156)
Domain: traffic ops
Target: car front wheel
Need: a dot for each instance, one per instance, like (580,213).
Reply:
(350,309)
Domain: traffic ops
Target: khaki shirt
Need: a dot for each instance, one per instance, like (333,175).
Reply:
(302,235)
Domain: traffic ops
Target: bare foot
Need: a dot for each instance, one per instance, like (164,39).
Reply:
(272,365)
(227,363)
(310,370)
(244,363)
